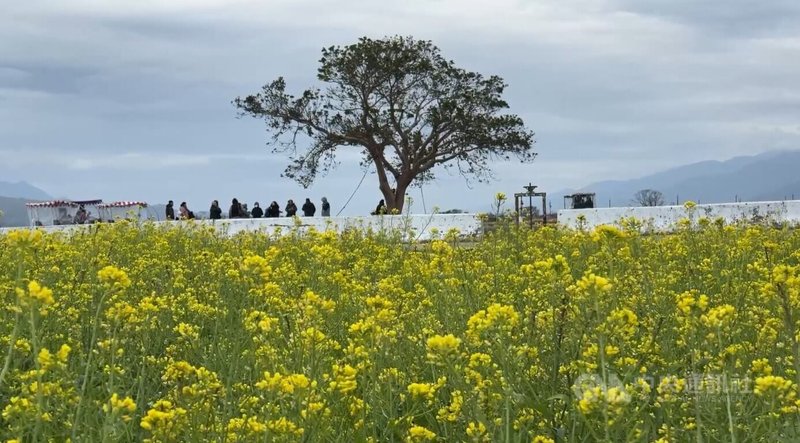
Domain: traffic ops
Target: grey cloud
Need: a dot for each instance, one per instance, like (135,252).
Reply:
(613,88)
(727,18)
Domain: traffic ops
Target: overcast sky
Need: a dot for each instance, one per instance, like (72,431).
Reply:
(122,99)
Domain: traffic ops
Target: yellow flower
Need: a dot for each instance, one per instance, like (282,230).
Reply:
(187,331)
(590,400)
(284,426)
(259,264)
(718,316)
(164,419)
(419,433)
(784,274)
(623,321)
(476,430)
(114,277)
(604,232)
(344,379)
(422,390)
(441,346)
(45,358)
(294,382)
(452,412)
(773,385)
(25,237)
(596,398)
(591,283)
(761,367)
(258,321)
(22,345)
(270,382)
(617,398)
(245,426)
(687,302)
(122,406)
(40,293)
(496,317)
(36,296)
(669,388)
(63,353)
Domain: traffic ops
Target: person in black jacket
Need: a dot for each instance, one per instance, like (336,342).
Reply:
(170,211)
(215,212)
(257,212)
(291,208)
(273,210)
(308,208)
(236,209)
(381,209)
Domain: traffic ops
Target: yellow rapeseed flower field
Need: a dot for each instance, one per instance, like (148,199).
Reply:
(179,333)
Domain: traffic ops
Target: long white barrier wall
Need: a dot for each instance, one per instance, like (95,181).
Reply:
(660,218)
(665,218)
(423,226)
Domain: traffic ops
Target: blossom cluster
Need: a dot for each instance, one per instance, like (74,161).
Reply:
(166,333)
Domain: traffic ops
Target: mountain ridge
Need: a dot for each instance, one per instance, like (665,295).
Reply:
(772,175)
(22,189)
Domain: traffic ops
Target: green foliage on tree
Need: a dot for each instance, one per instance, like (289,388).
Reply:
(406,108)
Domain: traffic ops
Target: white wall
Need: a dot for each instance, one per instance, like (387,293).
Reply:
(661,218)
(423,225)
(665,218)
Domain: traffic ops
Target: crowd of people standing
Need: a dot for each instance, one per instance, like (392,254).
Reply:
(183,212)
(240,210)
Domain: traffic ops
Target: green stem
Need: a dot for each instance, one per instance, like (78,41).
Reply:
(39,398)
(507,418)
(88,365)
(602,352)
(727,392)
(12,341)
(698,422)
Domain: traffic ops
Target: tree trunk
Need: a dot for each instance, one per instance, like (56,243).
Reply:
(394,198)
(383,183)
(400,195)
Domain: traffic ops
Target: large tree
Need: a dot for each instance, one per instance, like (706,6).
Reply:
(403,105)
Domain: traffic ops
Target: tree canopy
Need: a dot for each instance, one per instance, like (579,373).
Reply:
(403,105)
(648,197)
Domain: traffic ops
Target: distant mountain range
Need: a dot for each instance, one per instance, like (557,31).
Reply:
(14,212)
(22,190)
(13,197)
(772,175)
(769,176)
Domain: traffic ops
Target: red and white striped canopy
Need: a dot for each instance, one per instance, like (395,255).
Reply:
(52,204)
(88,202)
(123,204)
